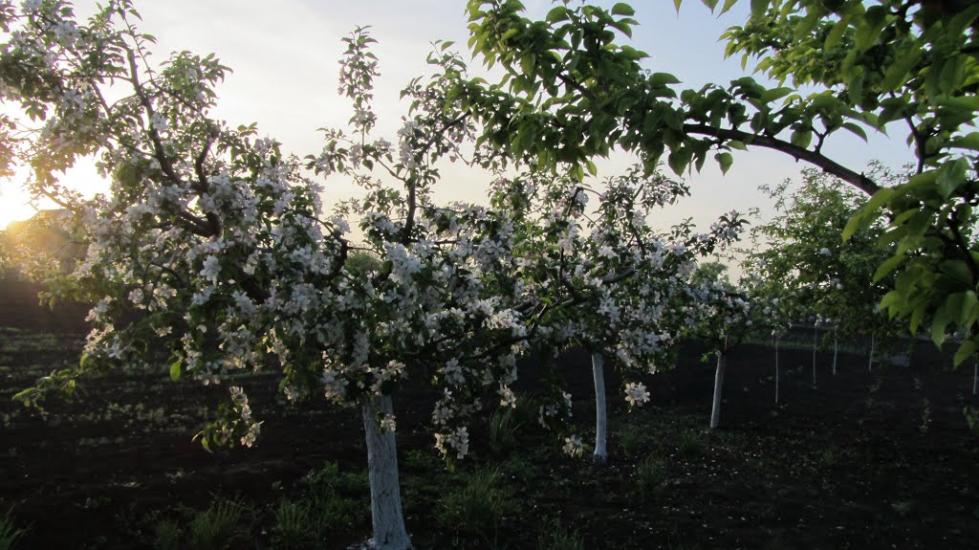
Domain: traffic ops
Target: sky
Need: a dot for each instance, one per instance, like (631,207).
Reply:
(284,59)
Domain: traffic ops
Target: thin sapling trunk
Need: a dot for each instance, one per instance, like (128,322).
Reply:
(870,358)
(778,374)
(387,518)
(836,349)
(815,338)
(715,413)
(600,455)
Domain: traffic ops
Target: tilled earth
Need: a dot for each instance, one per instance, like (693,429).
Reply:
(880,459)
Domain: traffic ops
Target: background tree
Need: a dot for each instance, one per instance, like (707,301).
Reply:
(799,252)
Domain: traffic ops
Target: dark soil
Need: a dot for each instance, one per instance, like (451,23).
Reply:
(864,460)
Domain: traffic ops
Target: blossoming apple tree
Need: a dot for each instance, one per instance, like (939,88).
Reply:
(621,282)
(213,248)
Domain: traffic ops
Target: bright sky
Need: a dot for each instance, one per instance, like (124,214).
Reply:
(284,56)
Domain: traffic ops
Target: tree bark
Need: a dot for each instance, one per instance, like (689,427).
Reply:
(815,338)
(387,519)
(836,349)
(778,373)
(715,413)
(600,455)
(870,358)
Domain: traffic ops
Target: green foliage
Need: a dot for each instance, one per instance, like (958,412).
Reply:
(800,261)
(555,536)
(478,507)
(631,439)
(9,533)
(167,535)
(649,476)
(573,90)
(690,443)
(217,527)
(294,526)
(337,500)
(504,425)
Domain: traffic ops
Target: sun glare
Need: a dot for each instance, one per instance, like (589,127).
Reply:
(16,203)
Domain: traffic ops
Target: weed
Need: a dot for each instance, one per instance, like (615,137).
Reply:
(631,439)
(166,535)
(829,457)
(503,428)
(520,469)
(9,533)
(477,508)
(650,475)
(294,526)
(690,443)
(217,527)
(556,537)
(337,500)
(419,459)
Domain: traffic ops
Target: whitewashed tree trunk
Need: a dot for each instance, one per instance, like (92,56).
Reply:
(870,358)
(715,412)
(836,349)
(387,518)
(778,373)
(600,455)
(815,338)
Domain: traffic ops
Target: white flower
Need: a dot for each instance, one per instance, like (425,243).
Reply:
(211,269)
(136,296)
(387,423)
(158,122)
(636,394)
(573,446)
(507,397)
(457,440)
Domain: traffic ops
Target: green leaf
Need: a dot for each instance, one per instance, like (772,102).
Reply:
(725,160)
(856,129)
(676,4)
(625,9)
(175,370)
(966,350)
(896,72)
(889,265)
(969,141)
(802,138)
(835,34)
(938,325)
(967,313)
(662,79)
(559,13)
(758,8)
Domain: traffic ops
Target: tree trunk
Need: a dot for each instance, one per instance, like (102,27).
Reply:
(382,467)
(715,412)
(601,419)
(815,338)
(870,358)
(836,349)
(778,374)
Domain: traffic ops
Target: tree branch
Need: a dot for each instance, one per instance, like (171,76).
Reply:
(828,165)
